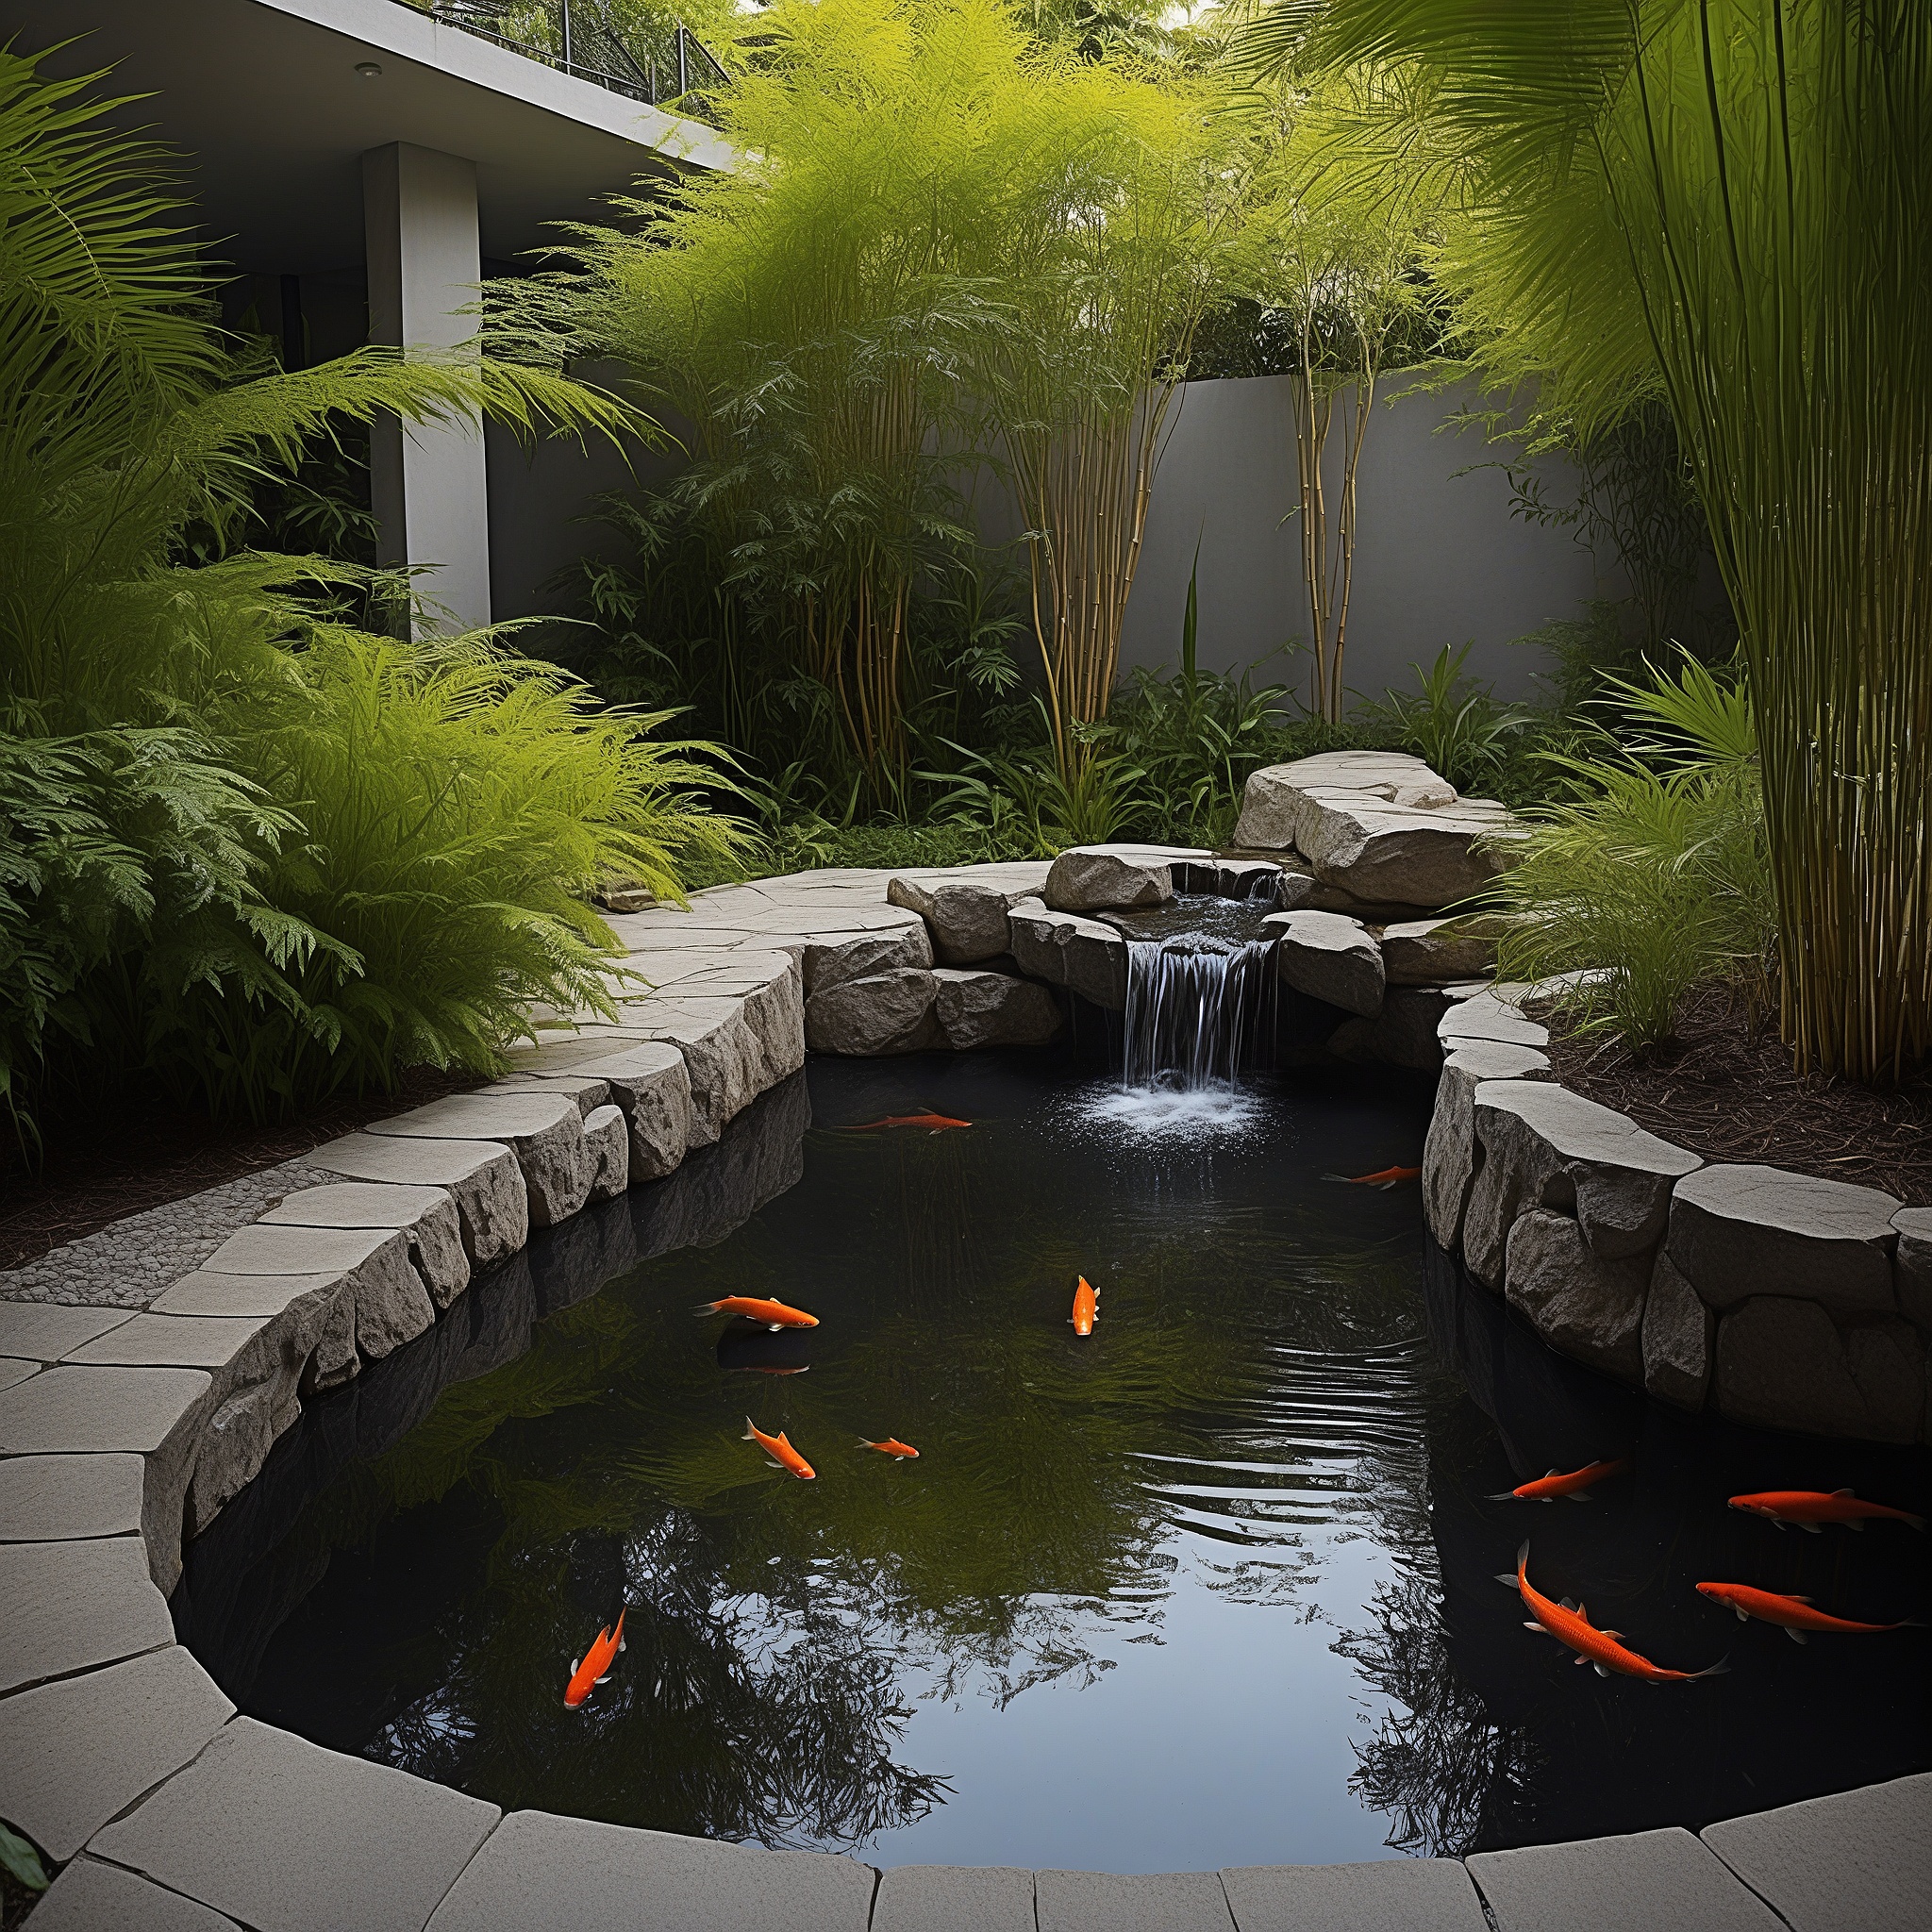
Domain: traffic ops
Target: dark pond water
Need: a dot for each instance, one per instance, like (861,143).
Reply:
(1211,1588)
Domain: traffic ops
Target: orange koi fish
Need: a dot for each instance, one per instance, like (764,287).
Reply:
(932,1122)
(1568,1623)
(1546,1489)
(1793,1615)
(596,1668)
(774,1315)
(904,1452)
(779,1449)
(1808,1509)
(1388,1177)
(1086,1307)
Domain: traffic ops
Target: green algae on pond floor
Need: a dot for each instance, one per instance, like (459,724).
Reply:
(1178,1595)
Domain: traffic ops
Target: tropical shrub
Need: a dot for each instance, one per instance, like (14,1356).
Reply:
(197,863)
(1654,871)
(1453,724)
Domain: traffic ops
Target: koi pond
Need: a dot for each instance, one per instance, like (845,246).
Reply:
(1213,1587)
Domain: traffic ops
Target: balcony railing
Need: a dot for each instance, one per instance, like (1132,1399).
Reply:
(580,39)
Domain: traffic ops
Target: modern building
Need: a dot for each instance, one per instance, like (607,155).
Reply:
(364,165)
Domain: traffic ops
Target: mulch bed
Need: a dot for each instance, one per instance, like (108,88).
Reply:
(130,1156)
(1727,1091)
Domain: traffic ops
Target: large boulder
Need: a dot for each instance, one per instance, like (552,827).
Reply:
(1092,879)
(1547,1147)
(1745,1230)
(832,962)
(882,1013)
(1402,1034)
(1085,955)
(1431,952)
(1451,1153)
(994,1010)
(1679,1334)
(1379,825)
(967,921)
(607,1136)
(1782,1364)
(1330,958)
(1585,1306)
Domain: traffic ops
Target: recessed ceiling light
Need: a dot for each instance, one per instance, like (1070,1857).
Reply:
(369,69)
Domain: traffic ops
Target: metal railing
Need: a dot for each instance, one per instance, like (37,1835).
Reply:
(583,43)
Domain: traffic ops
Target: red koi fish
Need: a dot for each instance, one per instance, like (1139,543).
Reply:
(1793,1615)
(1568,1623)
(932,1122)
(774,1315)
(904,1452)
(779,1449)
(1086,1307)
(1546,1489)
(1808,1509)
(1388,1177)
(596,1668)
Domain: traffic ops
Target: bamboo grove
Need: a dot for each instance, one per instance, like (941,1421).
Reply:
(1721,204)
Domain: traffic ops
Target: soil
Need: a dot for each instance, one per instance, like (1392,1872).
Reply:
(1724,1089)
(136,1156)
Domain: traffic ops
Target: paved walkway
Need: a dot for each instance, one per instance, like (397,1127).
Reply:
(145,1372)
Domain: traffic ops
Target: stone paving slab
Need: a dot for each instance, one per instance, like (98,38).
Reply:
(68,1606)
(90,1896)
(12,1369)
(954,1898)
(541,1873)
(492,1204)
(259,1295)
(64,1498)
(1388,1896)
(174,1341)
(76,1753)
(1156,1901)
(44,1331)
(287,1837)
(264,1248)
(1641,1883)
(1860,1861)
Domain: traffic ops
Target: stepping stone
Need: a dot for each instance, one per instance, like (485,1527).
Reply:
(285,1836)
(68,1607)
(483,1178)
(1859,1859)
(540,1872)
(64,1498)
(12,1369)
(157,1414)
(649,1082)
(1390,1895)
(1486,1017)
(92,1897)
(1104,1901)
(426,1215)
(1636,1884)
(1741,1229)
(260,1296)
(954,1898)
(545,1131)
(45,1331)
(76,1753)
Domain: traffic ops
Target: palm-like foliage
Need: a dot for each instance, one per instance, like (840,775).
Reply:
(180,745)
(1722,203)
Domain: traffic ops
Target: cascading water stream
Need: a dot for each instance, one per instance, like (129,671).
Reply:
(1200,991)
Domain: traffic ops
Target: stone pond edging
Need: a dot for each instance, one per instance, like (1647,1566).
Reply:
(145,1372)
(1777,1299)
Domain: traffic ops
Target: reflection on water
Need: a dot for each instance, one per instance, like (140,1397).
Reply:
(1211,1587)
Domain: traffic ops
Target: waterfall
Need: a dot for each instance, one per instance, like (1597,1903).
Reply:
(1196,1002)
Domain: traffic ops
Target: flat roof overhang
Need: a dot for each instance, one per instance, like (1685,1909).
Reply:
(263,99)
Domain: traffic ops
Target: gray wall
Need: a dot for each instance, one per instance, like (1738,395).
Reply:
(1439,558)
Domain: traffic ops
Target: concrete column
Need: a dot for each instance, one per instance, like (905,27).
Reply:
(429,482)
